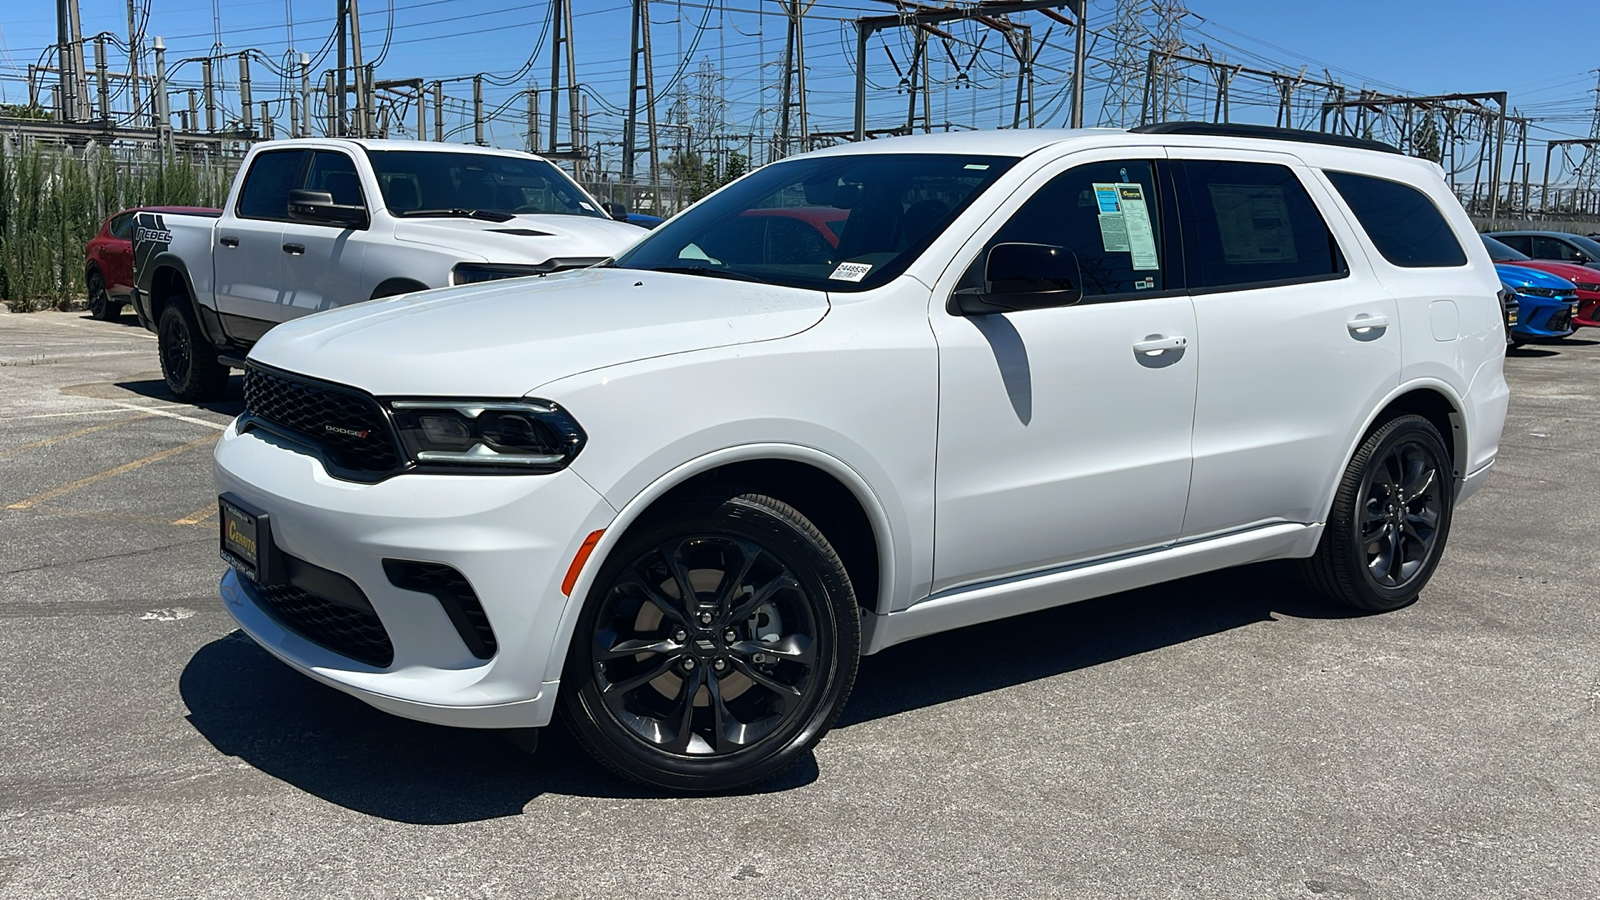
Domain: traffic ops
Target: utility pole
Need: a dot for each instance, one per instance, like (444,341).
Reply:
(640,54)
(532,132)
(334,104)
(69,81)
(303,120)
(80,75)
(363,112)
(133,62)
(794,76)
(336,98)
(267,131)
(561,46)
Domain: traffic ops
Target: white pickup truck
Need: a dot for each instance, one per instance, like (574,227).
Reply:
(317,223)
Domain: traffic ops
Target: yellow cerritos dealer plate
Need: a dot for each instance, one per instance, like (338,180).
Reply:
(243,531)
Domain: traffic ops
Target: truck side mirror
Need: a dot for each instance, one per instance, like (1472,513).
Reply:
(318,207)
(616,210)
(1019,276)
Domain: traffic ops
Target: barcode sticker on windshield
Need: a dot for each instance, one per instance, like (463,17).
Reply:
(851,271)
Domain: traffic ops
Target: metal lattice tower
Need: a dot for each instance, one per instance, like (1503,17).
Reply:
(1130,48)
(1587,175)
(1166,39)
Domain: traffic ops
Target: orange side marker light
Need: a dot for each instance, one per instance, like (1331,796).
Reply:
(579,560)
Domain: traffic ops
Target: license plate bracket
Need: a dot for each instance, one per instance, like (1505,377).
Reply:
(246,540)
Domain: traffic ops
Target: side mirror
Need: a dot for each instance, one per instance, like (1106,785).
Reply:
(318,206)
(615,210)
(1021,276)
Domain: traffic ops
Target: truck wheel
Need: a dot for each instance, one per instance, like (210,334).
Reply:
(188,361)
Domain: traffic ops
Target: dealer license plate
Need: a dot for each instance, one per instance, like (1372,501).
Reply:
(241,538)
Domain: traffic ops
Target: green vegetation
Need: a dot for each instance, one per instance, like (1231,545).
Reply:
(52,201)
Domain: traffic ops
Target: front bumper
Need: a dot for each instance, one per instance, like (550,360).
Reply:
(1541,317)
(512,537)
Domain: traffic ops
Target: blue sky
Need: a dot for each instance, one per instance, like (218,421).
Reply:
(1423,46)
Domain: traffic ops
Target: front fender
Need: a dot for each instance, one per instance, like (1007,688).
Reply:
(877,516)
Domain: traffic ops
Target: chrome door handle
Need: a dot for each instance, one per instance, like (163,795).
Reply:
(1365,324)
(228,241)
(294,249)
(1156,345)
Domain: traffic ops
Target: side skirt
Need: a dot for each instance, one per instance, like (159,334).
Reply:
(1021,594)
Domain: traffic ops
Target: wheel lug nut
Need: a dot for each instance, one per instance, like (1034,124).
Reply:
(730,635)
(688,665)
(680,635)
(719,664)
(705,618)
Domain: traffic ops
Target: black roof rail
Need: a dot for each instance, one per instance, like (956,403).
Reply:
(1266,132)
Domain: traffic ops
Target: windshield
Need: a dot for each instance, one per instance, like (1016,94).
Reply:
(834,223)
(427,182)
(1500,252)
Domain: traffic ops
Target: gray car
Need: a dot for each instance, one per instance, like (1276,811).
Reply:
(1557,245)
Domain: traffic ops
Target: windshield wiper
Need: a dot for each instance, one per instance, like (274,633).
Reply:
(705,271)
(488,215)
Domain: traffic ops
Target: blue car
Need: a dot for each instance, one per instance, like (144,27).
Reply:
(644,220)
(1546,304)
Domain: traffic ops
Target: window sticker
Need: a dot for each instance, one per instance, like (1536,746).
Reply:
(1125,223)
(585,206)
(1253,223)
(1141,234)
(975,167)
(850,271)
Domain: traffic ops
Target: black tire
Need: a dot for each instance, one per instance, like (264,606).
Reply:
(188,361)
(101,306)
(710,700)
(1390,519)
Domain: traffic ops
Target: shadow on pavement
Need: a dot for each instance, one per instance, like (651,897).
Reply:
(331,745)
(156,389)
(250,706)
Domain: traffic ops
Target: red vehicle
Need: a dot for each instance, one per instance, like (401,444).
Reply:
(108,260)
(1586,280)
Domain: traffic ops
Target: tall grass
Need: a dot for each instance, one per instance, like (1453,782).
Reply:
(53,199)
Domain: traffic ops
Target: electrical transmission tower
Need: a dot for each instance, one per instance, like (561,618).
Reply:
(1145,35)
(640,64)
(1588,169)
(1130,46)
(794,82)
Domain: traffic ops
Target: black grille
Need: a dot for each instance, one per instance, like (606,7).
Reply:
(347,426)
(455,595)
(347,632)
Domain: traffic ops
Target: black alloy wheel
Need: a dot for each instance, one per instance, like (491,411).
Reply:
(718,646)
(1391,516)
(188,362)
(101,306)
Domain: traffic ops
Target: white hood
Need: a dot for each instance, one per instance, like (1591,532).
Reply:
(509,242)
(505,338)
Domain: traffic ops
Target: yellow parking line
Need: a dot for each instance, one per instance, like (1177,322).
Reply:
(72,434)
(36,499)
(198,516)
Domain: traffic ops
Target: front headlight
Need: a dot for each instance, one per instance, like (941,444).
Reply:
(1540,292)
(1587,286)
(491,436)
(473,273)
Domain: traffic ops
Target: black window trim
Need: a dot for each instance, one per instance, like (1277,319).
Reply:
(1344,257)
(1360,226)
(299,178)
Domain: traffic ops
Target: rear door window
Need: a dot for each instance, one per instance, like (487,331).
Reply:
(122,226)
(1405,226)
(1108,213)
(1249,224)
(272,175)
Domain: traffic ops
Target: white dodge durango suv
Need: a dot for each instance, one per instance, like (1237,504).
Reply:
(856,397)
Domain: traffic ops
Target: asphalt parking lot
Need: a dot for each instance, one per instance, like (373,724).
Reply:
(1225,736)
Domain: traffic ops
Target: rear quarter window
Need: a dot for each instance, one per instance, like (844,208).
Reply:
(1403,223)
